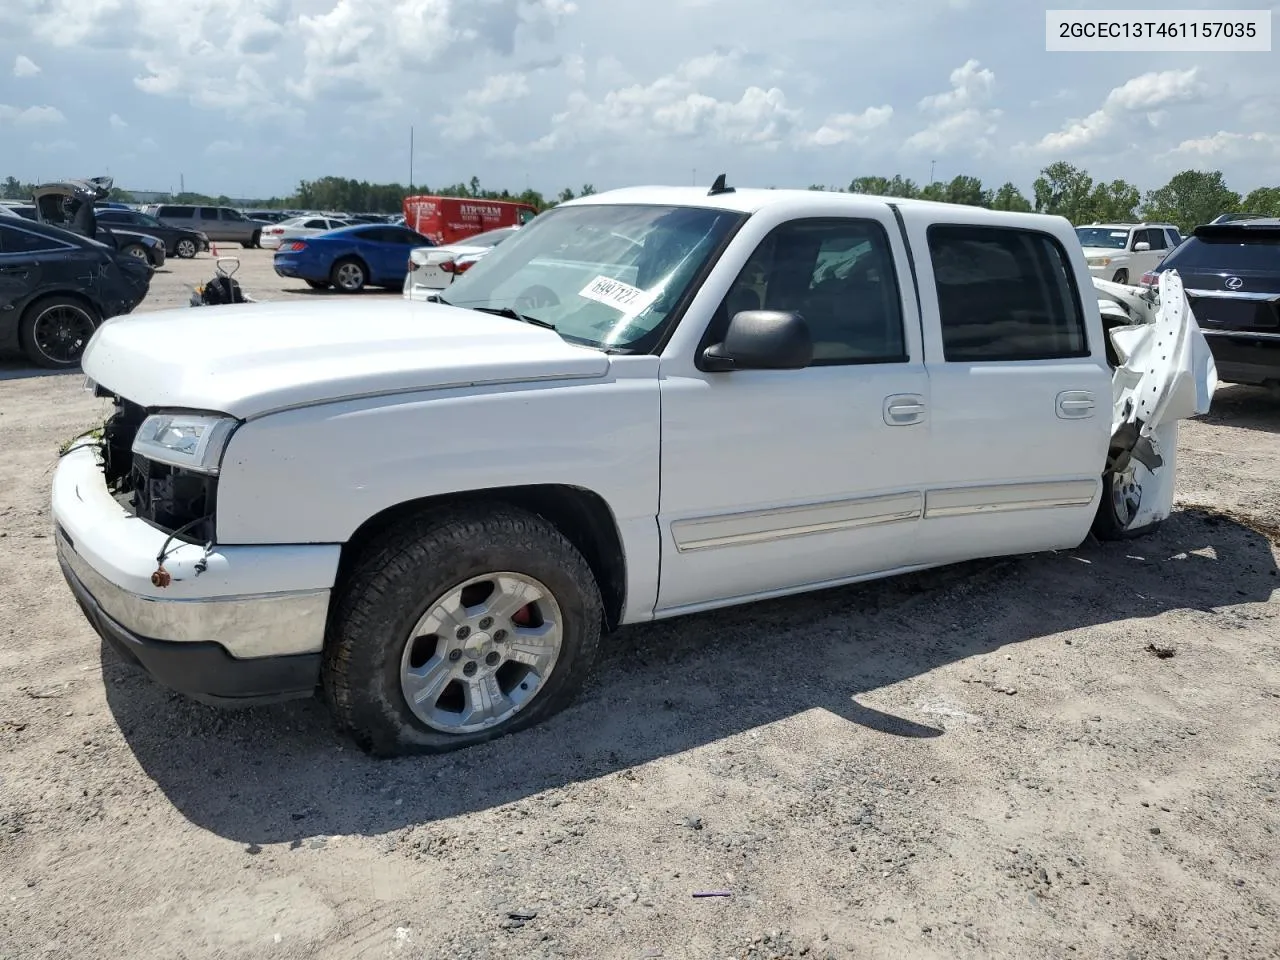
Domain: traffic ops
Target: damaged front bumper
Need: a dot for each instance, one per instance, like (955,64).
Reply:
(229,625)
(1164,372)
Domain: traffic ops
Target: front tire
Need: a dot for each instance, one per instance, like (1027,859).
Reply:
(487,617)
(137,251)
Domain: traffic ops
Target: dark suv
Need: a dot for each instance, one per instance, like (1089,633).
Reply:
(178,241)
(1231,274)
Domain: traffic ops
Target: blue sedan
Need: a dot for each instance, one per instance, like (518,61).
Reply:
(350,258)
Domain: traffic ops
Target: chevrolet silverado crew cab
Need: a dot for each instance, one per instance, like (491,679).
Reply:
(646,403)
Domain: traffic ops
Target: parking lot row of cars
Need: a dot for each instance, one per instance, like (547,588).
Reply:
(49,305)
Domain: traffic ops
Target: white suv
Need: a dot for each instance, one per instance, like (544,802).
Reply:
(1123,252)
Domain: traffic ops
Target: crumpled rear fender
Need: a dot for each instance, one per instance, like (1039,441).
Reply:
(1165,373)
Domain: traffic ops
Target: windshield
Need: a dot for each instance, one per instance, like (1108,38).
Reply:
(490,239)
(1102,237)
(1260,253)
(606,275)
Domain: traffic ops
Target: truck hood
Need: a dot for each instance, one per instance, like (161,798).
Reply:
(1111,252)
(251,359)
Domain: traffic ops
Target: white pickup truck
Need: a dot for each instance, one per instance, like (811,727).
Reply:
(649,402)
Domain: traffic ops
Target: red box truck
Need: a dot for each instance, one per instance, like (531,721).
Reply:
(450,219)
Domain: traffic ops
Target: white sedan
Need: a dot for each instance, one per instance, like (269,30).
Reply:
(431,269)
(297,227)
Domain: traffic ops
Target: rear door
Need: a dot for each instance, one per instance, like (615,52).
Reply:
(388,249)
(19,269)
(1021,408)
(1147,260)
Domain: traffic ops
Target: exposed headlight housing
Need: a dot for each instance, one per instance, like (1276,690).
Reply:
(1099,261)
(188,440)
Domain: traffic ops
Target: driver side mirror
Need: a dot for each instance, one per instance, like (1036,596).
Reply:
(1141,246)
(761,340)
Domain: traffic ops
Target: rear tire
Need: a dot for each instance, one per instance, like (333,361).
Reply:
(54,331)
(348,275)
(397,587)
(1121,500)
(254,241)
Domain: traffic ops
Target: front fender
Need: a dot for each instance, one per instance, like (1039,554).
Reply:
(316,474)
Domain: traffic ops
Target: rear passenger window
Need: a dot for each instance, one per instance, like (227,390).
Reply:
(1005,294)
(178,212)
(17,241)
(837,274)
(208,213)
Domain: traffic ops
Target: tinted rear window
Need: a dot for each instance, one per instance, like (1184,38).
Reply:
(1260,253)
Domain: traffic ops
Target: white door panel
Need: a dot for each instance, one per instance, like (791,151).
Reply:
(1018,445)
(777,479)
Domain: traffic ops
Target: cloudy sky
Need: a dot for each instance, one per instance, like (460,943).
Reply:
(246,97)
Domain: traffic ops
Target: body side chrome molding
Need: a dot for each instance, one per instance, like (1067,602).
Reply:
(762,526)
(782,523)
(1005,497)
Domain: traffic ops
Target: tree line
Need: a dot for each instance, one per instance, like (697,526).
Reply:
(1189,198)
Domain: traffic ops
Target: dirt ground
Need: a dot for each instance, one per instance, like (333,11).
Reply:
(1063,755)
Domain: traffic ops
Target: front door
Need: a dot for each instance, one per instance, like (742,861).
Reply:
(774,480)
(1021,396)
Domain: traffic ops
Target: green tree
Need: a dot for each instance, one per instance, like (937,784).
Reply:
(1064,190)
(1116,201)
(967,190)
(1191,197)
(564,196)
(1264,200)
(14,189)
(885,187)
(1009,197)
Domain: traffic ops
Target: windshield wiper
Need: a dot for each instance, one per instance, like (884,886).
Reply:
(513,315)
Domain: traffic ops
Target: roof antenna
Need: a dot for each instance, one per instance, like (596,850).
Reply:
(718,187)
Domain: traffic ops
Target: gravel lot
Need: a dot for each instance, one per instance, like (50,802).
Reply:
(1063,755)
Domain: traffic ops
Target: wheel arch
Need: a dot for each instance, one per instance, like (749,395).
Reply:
(582,515)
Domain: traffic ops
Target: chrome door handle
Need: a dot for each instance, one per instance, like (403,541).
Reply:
(1075,405)
(903,409)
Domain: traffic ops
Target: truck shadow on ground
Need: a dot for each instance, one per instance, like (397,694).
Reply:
(280,774)
(25,371)
(305,291)
(1249,408)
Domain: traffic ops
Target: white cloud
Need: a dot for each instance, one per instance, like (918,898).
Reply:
(24,67)
(224,147)
(963,121)
(1231,146)
(971,84)
(55,146)
(850,127)
(499,88)
(1143,94)
(30,115)
(117,122)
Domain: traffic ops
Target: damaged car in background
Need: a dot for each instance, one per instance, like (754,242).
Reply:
(645,403)
(56,286)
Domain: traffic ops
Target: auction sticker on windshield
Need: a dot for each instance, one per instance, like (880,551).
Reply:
(614,293)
